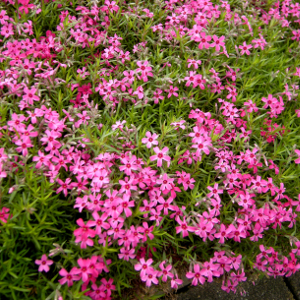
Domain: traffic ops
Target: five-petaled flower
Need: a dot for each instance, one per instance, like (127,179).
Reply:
(245,48)
(150,139)
(196,275)
(160,156)
(44,263)
(143,266)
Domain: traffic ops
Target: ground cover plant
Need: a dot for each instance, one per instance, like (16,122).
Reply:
(145,141)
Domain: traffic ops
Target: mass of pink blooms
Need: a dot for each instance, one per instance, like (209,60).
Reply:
(143,186)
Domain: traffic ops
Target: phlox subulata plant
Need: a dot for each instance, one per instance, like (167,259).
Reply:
(147,141)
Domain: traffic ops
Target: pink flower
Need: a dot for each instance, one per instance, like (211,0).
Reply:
(145,69)
(4,213)
(165,205)
(100,222)
(3,17)
(165,271)
(194,63)
(269,102)
(165,182)
(143,266)
(108,285)
(110,6)
(157,95)
(44,263)
(160,156)
(214,191)
(196,275)
(245,48)
(297,161)
(147,231)
(218,42)
(30,95)
(139,92)
(68,277)
(150,277)
(85,269)
(84,232)
(202,145)
(178,124)
(204,39)
(129,76)
(223,233)
(64,186)
(129,165)
(172,91)
(125,204)
(118,124)
(175,282)
(251,106)
(3,156)
(191,78)
(126,253)
(23,144)
(184,228)
(150,140)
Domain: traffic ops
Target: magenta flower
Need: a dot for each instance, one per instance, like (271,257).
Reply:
(223,233)
(23,144)
(143,266)
(146,230)
(202,145)
(165,205)
(150,277)
(84,232)
(165,271)
(214,191)
(194,63)
(157,95)
(68,277)
(218,42)
(245,48)
(172,91)
(175,282)
(4,214)
(204,39)
(100,222)
(269,101)
(160,156)
(125,204)
(196,275)
(3,156)
(184,227)
(150,139)
(297,161)
(44,263)
(126,253)
(85,269)
(64,186)
(108,286)
(139,92)
(165,182)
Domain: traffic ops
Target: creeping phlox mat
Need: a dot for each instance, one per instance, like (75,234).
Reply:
(143,143)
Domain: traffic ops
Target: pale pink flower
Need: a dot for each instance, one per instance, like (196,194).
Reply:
(150,139)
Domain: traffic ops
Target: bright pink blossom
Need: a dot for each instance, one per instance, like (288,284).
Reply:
(44,263)
(160,156)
